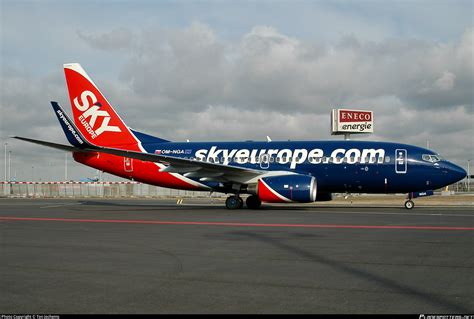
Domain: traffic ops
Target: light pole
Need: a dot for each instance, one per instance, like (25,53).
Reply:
(6,144)
(9,166)
(468,175)
(65,166)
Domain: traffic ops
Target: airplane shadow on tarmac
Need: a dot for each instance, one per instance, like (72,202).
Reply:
(389,284)
(147,205)
(205,206)
(143,207)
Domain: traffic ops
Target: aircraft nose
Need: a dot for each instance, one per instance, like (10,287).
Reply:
(456,172)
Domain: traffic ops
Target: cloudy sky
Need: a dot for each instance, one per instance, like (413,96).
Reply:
(236,70)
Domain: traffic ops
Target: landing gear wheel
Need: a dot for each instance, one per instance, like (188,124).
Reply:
(234,202)
(241,202)
(253,202)
(409,204)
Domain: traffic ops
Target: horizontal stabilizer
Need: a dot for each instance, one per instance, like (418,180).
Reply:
(62,147)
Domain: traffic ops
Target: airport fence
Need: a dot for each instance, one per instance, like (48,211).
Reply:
(465,185)
(92,189)
(128,190)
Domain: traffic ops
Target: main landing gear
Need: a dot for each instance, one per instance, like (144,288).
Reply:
(253,202)
(235,202)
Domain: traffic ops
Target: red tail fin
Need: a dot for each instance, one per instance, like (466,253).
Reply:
(93,115)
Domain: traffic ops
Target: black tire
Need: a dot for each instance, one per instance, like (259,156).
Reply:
(233,202)
(241,202)
(253,202)
(409,204)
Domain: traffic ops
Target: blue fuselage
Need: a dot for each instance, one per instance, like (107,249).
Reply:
(338,166)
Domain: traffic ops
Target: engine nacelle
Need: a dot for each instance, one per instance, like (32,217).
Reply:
(287,188)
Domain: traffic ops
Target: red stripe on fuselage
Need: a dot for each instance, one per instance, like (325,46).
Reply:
(145,172)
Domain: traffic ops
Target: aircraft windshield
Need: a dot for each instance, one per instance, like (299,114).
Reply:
(431,158)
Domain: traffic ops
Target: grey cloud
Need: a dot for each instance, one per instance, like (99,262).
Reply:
(189,83)
(271,81)
(192,68)
(186,67)
(222,122)
(116,39)
(25,102)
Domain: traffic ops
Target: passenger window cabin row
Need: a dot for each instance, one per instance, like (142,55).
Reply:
(285,160)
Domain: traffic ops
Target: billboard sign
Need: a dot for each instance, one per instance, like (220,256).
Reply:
(344,121)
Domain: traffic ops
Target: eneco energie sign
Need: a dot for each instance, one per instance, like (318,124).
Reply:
(352,121)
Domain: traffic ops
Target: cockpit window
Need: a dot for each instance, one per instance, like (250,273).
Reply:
(431,158)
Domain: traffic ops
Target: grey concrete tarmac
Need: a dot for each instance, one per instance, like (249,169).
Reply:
(55,266)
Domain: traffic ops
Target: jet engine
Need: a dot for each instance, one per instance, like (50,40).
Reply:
(287,188)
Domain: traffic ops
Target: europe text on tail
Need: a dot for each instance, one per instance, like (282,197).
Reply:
(269,171)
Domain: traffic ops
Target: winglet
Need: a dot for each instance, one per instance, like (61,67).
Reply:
(73,135)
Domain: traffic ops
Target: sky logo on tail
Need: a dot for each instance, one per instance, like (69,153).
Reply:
(91,112)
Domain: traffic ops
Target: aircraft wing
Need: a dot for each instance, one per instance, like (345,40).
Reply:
(187,167)
(170,164)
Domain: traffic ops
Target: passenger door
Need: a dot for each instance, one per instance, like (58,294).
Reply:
(128,164)
(401,161)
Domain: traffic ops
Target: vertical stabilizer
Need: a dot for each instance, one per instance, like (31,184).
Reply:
(93,114)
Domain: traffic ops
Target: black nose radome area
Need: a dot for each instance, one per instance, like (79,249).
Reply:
(456,173)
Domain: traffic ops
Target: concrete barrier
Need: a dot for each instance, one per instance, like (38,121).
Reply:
(92,189)
(117,190)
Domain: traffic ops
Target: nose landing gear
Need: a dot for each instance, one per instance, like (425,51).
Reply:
(409,204)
